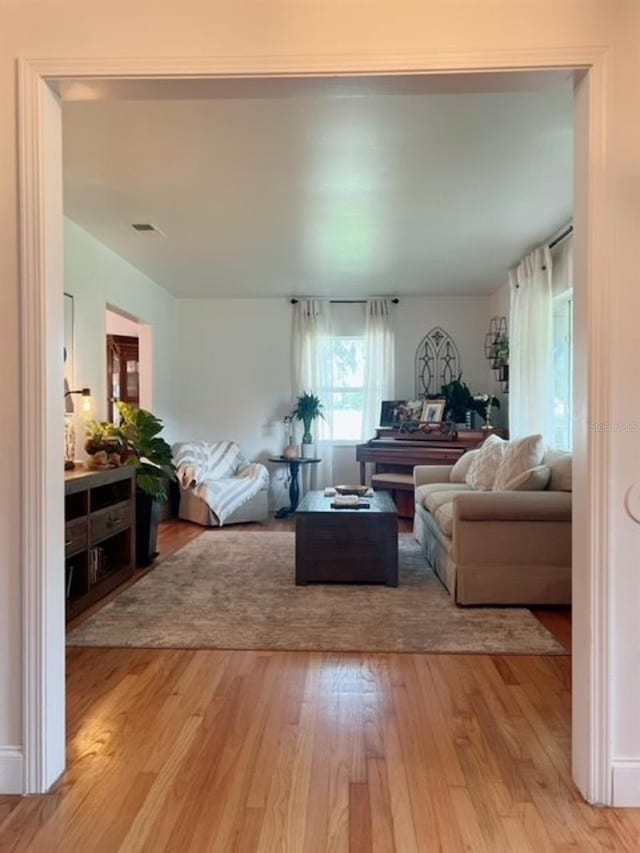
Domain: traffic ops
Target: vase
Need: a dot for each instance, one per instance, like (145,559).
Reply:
(69,443)
(290,451)
(308,450)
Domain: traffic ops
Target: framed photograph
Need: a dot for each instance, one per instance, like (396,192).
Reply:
(433,411)
(388,408)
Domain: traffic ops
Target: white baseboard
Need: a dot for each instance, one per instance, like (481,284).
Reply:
(11,770)
(626,782)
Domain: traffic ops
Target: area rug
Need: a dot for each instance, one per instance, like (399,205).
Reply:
(236,590)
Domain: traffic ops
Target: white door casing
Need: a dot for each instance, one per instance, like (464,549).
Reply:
(41,295)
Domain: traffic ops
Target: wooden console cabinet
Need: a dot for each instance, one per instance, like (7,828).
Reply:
(100,543)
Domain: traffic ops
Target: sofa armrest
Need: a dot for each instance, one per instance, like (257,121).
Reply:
(425,474)
(512,506)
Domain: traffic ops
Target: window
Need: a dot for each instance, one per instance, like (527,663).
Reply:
(562,289)
(563,370)
(347,392)
(344,352)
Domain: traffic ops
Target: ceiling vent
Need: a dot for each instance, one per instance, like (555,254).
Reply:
(148,228)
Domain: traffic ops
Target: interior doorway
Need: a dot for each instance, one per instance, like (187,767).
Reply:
(129,362)
(123,373)
(48,752)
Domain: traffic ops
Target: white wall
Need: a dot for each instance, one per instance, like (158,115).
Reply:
(233,366)
(355,35)
(233,373)
(97,278)
(465,318)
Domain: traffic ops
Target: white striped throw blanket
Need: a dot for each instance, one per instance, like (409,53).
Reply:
(219,474)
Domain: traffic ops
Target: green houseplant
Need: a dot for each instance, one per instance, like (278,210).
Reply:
(151,456)
(460,400)
(148,453)
(136,441)
(308,408)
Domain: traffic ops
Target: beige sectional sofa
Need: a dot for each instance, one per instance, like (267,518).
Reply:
(497,547)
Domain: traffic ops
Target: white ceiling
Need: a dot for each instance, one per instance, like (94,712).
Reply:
(338,188)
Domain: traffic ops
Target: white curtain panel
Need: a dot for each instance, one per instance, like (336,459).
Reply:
(312,372)
(562,271)
(379,377)
(531,347)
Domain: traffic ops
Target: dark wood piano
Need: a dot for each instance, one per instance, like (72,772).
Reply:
(389,452)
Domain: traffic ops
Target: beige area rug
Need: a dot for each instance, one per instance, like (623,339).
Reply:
(234,590)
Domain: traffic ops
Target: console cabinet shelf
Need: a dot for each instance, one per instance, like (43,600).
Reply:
(99,534)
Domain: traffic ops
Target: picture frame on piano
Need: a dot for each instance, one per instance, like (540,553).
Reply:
(395,412)
(433,411)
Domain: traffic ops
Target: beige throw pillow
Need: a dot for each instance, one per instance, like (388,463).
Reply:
(533,480)
(459,471)
(521,455)
(559,461)
(484,467)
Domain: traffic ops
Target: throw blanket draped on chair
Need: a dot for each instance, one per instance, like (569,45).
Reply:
(219,474)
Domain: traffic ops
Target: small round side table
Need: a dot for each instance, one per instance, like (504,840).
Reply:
(294,486)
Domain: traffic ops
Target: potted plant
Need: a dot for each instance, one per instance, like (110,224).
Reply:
(308,408)
(500,352)
(105,445)
(151,456)
(460,400)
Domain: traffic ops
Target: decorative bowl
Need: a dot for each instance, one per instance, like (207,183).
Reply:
(352,489)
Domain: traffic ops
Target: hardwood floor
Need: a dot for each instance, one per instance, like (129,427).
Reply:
(295,751)
(269,751)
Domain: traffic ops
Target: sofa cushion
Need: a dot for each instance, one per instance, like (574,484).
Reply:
(443,517)
(424,493)
(534,480)
(484,467)
(459,470)
(434,501)
(559,461)
(520,456)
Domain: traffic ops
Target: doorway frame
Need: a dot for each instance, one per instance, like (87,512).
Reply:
(42,279)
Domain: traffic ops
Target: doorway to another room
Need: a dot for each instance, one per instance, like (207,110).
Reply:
(129,360)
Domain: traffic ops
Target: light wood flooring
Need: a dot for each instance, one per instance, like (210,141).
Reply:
(295,751)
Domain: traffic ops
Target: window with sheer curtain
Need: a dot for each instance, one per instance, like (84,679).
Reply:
(562,290)
(344,353)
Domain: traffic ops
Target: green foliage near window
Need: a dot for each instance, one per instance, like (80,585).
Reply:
(307,409)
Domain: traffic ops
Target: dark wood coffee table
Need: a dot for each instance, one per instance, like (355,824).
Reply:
(346,545)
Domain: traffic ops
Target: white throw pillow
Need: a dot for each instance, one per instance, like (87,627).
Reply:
(559,461)
(533,480)
(521,455)
(459,471)
(484,467)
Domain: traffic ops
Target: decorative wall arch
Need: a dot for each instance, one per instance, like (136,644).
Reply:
(437,361)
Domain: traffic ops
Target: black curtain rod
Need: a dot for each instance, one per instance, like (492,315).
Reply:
(395,301)
(561,237)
